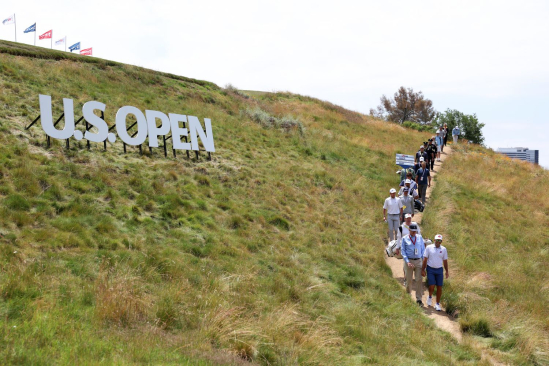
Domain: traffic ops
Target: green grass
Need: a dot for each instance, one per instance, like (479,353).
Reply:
(271,252)
(494,215)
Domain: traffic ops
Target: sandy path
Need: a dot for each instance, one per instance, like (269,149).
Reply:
(442,320)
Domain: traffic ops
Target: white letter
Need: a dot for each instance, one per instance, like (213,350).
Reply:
(121,125)
(94,120)
(155,131)
(177,132)
(47,118)
(207,138)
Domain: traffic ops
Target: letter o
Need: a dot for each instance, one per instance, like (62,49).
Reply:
(121,128)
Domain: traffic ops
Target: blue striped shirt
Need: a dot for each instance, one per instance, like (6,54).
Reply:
(409,247)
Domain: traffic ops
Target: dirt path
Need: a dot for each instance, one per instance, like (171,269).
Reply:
(441,319)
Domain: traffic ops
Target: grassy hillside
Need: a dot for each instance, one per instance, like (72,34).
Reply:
(271,253)
(494,213)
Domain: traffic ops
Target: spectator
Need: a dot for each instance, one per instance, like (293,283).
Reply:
(431,150)
(407,202)
(417,165)
(423,179)
(404,173)
(412,250)
(446,133)
(392,211)
(435,257)
(438,143)
(421,153)
(412,189)
(404,230)
(455,134)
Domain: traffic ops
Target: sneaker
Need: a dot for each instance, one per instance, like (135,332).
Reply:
(437,307)
(429,301)
(419,302)
(404,283)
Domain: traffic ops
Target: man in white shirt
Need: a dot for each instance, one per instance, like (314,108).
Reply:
(392,212)
(434,258)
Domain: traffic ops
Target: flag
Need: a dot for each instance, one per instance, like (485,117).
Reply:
(61,41)
(87,52)
(9,20)
(30,29)
(46,35)
(75,47)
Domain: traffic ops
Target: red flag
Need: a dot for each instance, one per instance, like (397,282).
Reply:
(87,51)
(46,35)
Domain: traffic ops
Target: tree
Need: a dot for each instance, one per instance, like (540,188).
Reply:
(471,128)
(406,105)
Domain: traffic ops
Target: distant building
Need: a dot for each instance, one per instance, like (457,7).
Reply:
(522,153)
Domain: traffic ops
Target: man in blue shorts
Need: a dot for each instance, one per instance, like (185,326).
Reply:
(434,258)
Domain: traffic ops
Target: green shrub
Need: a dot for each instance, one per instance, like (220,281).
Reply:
(476,326)
(17,202)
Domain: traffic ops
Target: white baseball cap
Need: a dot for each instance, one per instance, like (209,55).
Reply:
(422,147)
(407,215)
(407,181)
(438,237)
(392,190)
(422,159)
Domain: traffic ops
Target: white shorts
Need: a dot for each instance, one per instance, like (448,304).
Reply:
(438,148)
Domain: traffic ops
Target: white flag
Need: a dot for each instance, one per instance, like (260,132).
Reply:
(61,41)
(9,20)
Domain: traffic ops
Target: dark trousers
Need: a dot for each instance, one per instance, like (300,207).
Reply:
(432,162)
(422,192)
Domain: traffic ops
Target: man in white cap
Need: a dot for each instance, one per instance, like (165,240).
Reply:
(421,154)
(434,258)
(455,134)
(392,212)
(412,188)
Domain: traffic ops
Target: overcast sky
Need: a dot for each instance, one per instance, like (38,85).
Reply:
(485,57)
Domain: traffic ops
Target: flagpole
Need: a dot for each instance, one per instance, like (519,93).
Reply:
(65,43)
(35,34)
(51,40)
(15,24)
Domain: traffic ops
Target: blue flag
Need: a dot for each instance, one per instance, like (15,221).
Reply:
(75,47)
(32,28)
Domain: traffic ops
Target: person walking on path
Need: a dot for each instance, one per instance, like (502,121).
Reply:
(392,211)
(412,188)
(407,203)
(421,153)
(446,133)
(417,165)
(439,141)
(432,151)
(423,180)
(404,230)
(455,134)
(412,249)
(435,257)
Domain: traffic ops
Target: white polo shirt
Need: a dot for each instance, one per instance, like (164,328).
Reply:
(393,206)
(435,256)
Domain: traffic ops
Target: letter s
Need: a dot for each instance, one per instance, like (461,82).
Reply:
(94,120)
